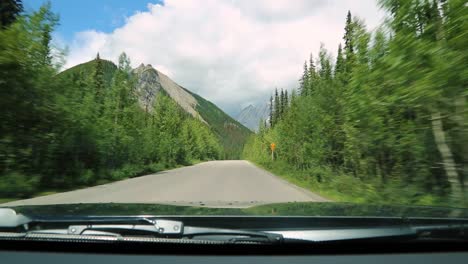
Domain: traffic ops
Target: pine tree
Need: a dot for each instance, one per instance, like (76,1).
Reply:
(339,65)
(271,116)
(325,71)
(312,75)
(379,48)
(46,38)
(304,82)
(349,47)
(293,96)
(348,36)
(403,115)
(282,103)
(99,84)
(121,96)
(276,111)
(9,10)
(286,101)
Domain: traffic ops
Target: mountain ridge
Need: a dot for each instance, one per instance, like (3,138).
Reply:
(251,115)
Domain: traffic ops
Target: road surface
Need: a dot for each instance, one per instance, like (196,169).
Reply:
(233,183)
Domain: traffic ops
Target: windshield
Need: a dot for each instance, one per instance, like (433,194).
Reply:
(285,108)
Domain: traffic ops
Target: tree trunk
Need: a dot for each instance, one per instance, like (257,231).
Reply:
(447,157)
(460,103)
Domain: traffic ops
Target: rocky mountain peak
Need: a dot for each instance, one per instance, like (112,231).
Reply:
(151,81)
(251,115)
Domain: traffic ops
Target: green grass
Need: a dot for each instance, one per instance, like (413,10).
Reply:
(39,194)
(6,200)
(45,193)
(340,187)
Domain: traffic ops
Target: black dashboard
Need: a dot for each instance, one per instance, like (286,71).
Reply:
(80,258)
(381,253)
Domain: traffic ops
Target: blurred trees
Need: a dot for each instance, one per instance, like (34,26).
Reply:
(9,10)
(82,128)
(392,108)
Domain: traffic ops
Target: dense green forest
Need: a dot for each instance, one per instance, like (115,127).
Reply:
(81,127)
(384,122)
(231,134)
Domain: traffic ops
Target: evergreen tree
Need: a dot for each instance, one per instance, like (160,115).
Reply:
(379,48)
(361,39)
(304,82)
(348,48)
(286,101)
(271,114)
(293,96)
(348,36)
(46,38)
(282,103)
(99,87)
(339,65)
(277,108)
(393,114)
(81,127)
(312,75)
(121,98)
(325,71)
(9,11)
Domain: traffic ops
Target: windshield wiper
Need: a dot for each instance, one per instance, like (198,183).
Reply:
(175,229)
(154,227)
(403,232)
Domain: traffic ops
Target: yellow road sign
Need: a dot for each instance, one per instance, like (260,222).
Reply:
(272,146)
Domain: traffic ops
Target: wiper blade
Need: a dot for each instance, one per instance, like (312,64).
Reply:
(157,227)
(160,227)
(131,226)
(176,229)
(407,232)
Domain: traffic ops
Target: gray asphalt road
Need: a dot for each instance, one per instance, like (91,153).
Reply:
(233,183)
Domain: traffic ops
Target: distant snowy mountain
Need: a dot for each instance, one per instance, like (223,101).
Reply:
(251,116)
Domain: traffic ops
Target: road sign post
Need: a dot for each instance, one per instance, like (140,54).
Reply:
(272,147)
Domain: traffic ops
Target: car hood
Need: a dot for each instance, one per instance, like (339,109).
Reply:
(281,209)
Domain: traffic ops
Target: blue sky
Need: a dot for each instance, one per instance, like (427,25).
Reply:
(99,15)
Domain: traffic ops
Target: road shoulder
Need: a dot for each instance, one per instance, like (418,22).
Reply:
(311,194)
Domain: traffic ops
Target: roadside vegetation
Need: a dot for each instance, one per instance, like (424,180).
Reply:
(386,120)
(83,127)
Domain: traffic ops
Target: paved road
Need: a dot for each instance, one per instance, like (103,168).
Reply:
(234,183)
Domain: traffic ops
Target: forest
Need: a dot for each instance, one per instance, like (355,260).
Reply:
(61,131)
(383,121)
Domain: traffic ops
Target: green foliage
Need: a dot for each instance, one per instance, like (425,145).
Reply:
(390,125)
(15,184)
(229,132)
(83,126)
(9,10)
(84,70)
(279,106)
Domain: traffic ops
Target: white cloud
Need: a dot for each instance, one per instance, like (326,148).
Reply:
(232,52)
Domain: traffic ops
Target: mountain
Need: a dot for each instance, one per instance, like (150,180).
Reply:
(85,70)
(150,83)
(251,116)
